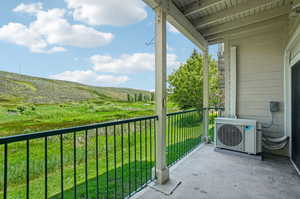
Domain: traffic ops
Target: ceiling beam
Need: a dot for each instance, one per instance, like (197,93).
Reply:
(263,16)
(275,22)
(233,11)
(201,5)
(179,21)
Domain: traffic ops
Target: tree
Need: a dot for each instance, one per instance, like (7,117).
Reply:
(152,96)
(140,99)
(128,97)
(186,83)
(135,97)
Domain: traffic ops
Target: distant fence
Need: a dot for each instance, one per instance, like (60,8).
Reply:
(105,160)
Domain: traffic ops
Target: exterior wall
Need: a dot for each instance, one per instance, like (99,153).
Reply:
(260,74)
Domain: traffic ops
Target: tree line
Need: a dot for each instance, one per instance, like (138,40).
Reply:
(140,97)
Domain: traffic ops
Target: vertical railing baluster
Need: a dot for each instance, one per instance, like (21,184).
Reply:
(46,167)
(173,140)
(27,169)
(106,158)
(176,137)
(168,142)
(97,163)
(201,122)
(193,128)
(150,147)
(135,148)
(5,172)
(146,151)
(74,165)
(115,160)
(61,167)
(189,132)
(154,123)
(129,166)
(86,165)
(184,133)
(183,143)
(122,158)
(141,154)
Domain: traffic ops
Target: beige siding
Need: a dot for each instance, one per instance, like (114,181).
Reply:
(260,75)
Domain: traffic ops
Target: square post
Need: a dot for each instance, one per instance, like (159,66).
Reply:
(205,95)
(162,171)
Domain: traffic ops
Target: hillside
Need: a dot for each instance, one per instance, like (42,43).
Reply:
(17,88)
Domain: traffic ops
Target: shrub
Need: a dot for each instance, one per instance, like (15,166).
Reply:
(21,109)
(33,108)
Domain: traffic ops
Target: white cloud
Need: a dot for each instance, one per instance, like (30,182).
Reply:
(21,35)
(171,28)
(108,12)
(50,30)
(90,77)
(57,30)
(137,62)
(57,49)
(29,8)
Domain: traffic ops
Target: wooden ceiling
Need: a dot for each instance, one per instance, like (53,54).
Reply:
(214,18)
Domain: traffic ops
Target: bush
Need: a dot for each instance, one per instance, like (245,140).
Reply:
(33,108)
(21,109)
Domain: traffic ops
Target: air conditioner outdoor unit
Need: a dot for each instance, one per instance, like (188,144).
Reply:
(238,135)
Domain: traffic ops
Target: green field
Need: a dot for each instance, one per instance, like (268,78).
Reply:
(29,104)
(56,116)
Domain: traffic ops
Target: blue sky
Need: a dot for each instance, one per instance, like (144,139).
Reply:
(100,43)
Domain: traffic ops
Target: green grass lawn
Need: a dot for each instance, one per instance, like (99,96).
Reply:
(56,116)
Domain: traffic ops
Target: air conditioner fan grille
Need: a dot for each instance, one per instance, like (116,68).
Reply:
(230,135)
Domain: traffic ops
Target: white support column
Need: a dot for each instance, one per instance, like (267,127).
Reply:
(233,81)
(227,76)
(162,171)
(205,94)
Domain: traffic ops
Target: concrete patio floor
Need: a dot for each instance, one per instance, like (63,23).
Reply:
(206,173)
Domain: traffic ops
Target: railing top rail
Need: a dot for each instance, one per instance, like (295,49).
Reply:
(193,110)
(180,112)
(30,136)
(215,108)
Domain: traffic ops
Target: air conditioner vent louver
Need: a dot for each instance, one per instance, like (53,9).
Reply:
(230,135)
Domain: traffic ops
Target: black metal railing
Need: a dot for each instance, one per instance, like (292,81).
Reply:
(184,133)
(106,160)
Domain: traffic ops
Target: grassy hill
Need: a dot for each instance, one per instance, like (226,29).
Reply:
(17,88)
(29,104)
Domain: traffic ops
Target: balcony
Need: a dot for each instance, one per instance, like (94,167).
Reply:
(106,160)
(206,173)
